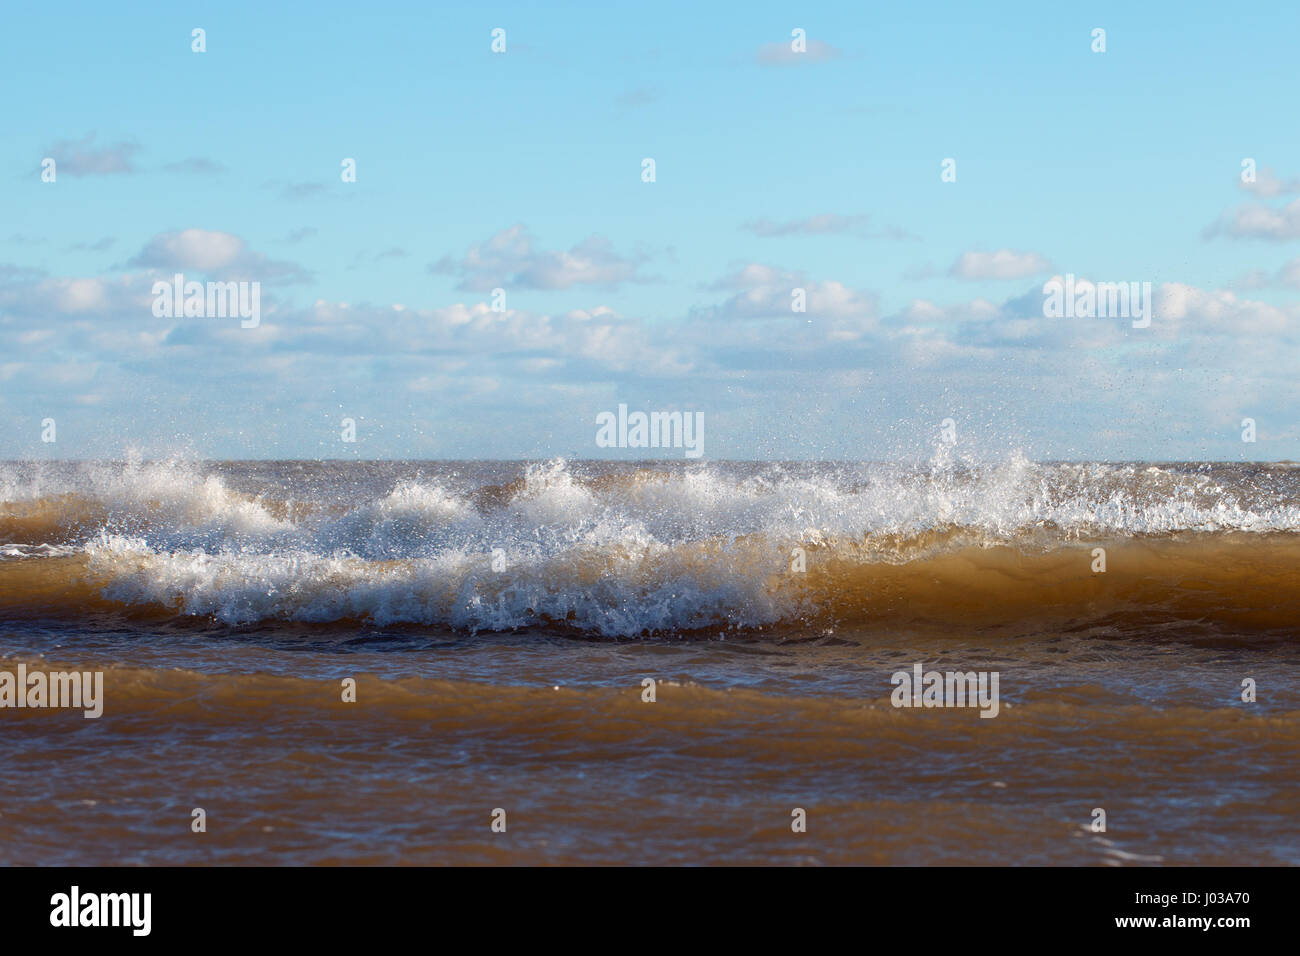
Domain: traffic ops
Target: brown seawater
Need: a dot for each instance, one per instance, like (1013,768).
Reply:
(499,619)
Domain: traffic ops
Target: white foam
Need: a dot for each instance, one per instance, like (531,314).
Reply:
(700,546)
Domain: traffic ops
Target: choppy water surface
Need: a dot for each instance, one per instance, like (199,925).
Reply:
(499,619)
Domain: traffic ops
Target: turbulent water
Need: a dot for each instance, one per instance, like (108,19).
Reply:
(499,620)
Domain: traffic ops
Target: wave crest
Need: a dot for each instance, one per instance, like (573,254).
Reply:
(618,550)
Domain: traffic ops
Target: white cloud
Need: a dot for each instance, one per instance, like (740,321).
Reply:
(1268,186)
(82,157)
(1003,264)
(511,259)
(75,339)
(190,249)
(1257,221)
(1221,311)
(207,251)
(39,299)
(764,291)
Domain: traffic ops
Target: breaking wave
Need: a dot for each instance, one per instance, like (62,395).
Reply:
(621,550)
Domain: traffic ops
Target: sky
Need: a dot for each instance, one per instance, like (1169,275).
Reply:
(821,170)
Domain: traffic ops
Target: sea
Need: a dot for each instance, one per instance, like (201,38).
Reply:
(652,663)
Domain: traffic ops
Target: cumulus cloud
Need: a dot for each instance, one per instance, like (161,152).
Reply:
(1185,319)
(1257,221)
(1221,312)
(190,249)
(76,339)
(1003,264)
(1267,185)
(578,343)
(83,157)
(30,298)
(755,275)
(209,251)
(762,291)
(512,259)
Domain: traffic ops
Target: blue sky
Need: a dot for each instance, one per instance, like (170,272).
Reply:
(774,171)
